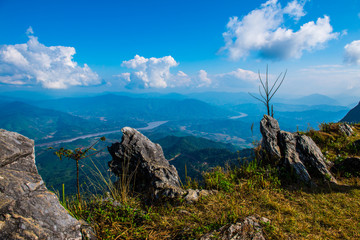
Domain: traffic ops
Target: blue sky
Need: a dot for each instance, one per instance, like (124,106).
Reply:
(180,46)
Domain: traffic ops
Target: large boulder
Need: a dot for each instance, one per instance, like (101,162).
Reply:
(295,151)
(137,156)
(248,229)
(27,209)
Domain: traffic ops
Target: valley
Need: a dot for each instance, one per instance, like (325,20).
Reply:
(196,131)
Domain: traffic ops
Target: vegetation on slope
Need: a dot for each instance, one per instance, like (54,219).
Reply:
(335,145)
(295,211)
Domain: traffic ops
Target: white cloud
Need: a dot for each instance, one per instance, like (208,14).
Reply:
(295,9)
(238,79)
(156,73)
(34,63)
(153,73)
(241,74)
(29,31)
(181,80)
(261,31)
(204,80)
(352,52)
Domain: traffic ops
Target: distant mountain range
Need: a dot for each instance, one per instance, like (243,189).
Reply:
(53,119)
(313,99)
(114,108)
(353,116)
(44,124)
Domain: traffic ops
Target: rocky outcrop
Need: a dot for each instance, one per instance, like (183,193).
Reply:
(295,151)
(269,129)
(27,209)
(248,229)
(291,158)
(346,129)
(136,155)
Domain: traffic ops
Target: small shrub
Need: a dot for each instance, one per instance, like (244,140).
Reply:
(219,179)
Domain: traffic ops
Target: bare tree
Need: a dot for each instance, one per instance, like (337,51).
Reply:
(268,92)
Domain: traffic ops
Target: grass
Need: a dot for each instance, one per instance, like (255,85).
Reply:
(295,211)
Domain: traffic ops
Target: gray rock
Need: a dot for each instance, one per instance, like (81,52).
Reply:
(269,129)
(288,144)
(87,231)
(345,129)
(27,209)
(194,195)
(248,229)
(153,174)
(298,152)
(311,155)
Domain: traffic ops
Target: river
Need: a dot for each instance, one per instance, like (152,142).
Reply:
(239,116)
(150,125)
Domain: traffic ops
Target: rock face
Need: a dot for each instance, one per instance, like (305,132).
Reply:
(154,176)
(299,152)
(27,209)
(248,229)
(269,129)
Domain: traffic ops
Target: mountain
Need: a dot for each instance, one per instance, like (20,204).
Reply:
(223,98)
(173,145)
(353,116)
(313,99)
(193,155)
(115,107)
(44,124)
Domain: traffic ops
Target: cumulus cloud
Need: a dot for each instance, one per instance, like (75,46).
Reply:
(352,52)
(156,73)
(295,9)
(34,63)
(262,31)
(153,73)
(204,80)
(237,79)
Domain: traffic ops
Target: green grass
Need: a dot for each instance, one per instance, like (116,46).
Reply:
(295,211)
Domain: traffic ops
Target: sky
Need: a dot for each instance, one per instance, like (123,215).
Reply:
(180,46)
